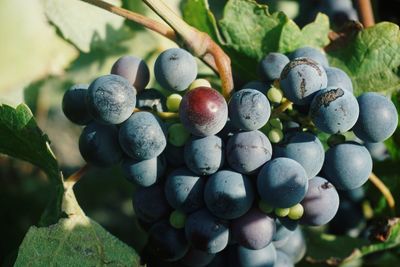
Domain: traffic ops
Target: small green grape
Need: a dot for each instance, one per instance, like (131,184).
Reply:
(199,83)
(296,212)
(264,207)
(281,212)
(276,123)
(173,102)
(177,219)
(177,134)
(275,135)
(275,95)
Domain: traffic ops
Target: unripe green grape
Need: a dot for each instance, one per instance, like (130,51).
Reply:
(173,102)
(281,212)
(264,207)
(177,134)
(177,219)
(199,83)
(275,95)
(276,123)
(296,212)
(275,135)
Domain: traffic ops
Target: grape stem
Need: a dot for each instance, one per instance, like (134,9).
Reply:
(162,115)
(366,13)
(199,43)
(281,108)
(76,176)
(383,188)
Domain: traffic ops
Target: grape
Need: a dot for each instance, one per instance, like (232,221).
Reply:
(174,155)
(305,148)
(295,248)
(99,146)
(378,151)
(320,203)
(262,87)
(282,182)
(264,257)
(282,260)
(275,135)
(144,172)
(334,110)
(199,83)
(271,66)
(275,95)
(378,118)
(296,212)
(175,69)
(177,134)
(354,195)
(204,155)
(228,131)
(184,190)
(265,207)
(150,204)
(281,212)
(206,232)
(203,111)
(151,99)
(311,53)
(248,151)
(166,242)
(254,230)
(249,109)
(347,165)
(177,219)
(339,79)
(301,79)
(74,104)
(197,258)
(142,136)
(228,194)
(133,69)
(111,99)
(284,228)
(173,102)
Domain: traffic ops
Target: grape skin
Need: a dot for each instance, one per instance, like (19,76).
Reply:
(312,53)
(271,66)
(247,151)
(142,137)
(295,247)
(74,104)
(320,203)
(133,69)
(282,182)
(347,166)
(175,69)
(228,194)
(98,145)
(204,155)
(283,260)
(144,172)
(264,257)
(111,99)
(249,109)
(338,78)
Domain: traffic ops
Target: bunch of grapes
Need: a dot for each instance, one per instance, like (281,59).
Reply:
(228,183)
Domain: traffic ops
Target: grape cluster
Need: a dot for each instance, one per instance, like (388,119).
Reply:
(229,183)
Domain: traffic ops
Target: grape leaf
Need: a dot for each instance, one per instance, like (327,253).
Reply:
(371,57)
(32,49)
(86,26)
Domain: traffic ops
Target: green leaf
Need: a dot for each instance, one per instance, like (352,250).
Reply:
(32,51)
(20,137)
(371,57)
(86,26)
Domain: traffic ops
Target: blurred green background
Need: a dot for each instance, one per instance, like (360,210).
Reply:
(42,53)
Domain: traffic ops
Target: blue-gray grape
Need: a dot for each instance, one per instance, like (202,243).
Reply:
(111,99)
(312,53)
(301,79)
(207,232)
(133,69)
(254,230)
(98,145)
(378,118)
(271,66)
(284,228)
(282,182)
(144,172)
(334,110)
(74,104)
(249,109)
(184,190)
(305,148)
(295,248)
(228,194)
(246,152)
(283,260)
(175,69)
(348,165)
(264,257)
(339,79)
(320,203)
(142,137)
(204,155)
